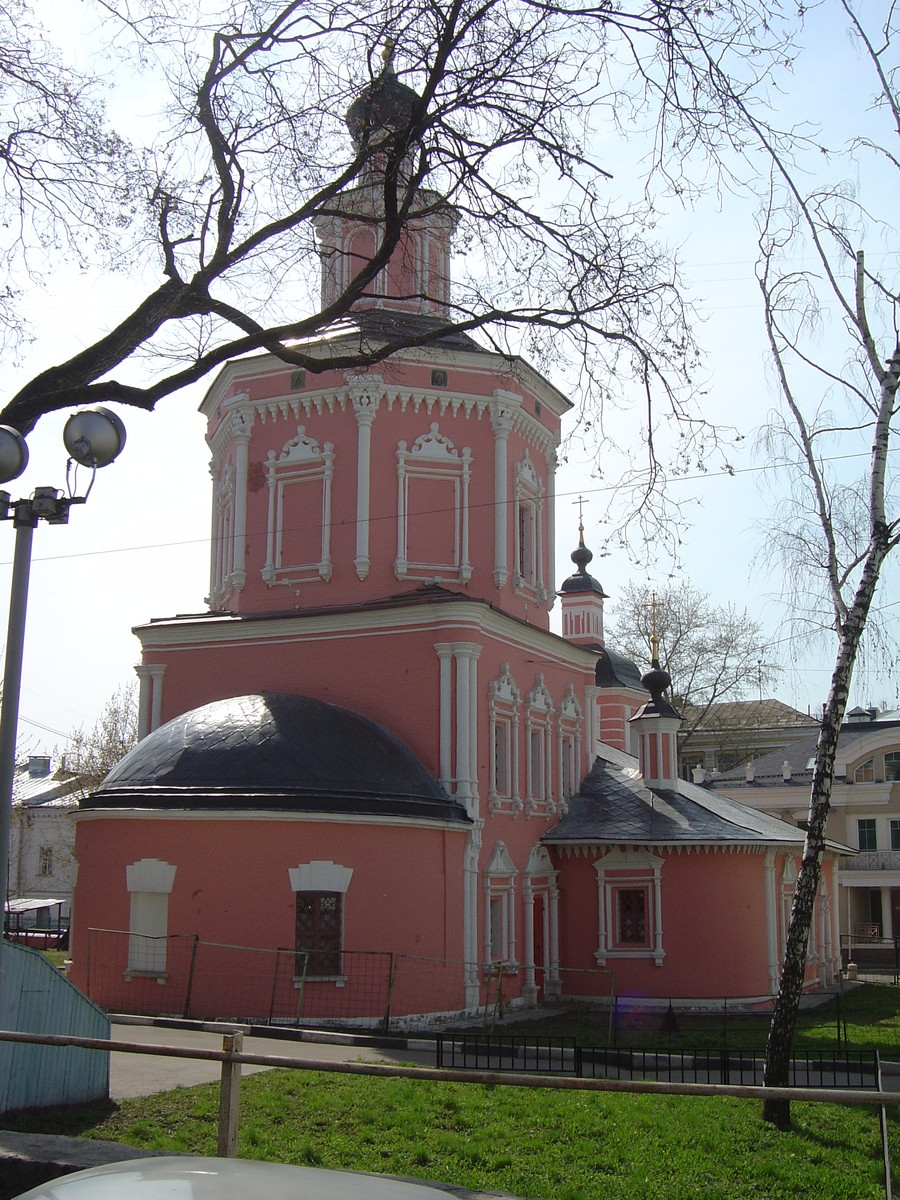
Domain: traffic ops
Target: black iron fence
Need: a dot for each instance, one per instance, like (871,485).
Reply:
(564,1056)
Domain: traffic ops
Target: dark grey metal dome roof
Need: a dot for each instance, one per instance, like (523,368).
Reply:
(275,752)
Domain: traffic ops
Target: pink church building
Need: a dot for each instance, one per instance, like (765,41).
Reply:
(372,742)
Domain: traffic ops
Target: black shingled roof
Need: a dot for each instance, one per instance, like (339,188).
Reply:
(614,806)
(275,752)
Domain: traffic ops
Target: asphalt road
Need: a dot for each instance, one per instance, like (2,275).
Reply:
(144,1074)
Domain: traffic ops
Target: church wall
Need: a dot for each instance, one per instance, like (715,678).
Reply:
(712,950)
(232,887)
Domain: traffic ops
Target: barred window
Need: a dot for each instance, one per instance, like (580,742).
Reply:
(319,933)
(45,865)
(632,914)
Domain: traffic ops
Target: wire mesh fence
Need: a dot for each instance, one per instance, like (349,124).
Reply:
(184,976)
(180,975)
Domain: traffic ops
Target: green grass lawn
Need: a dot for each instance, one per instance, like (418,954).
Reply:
(871,1013)
(533,1143)
(541,1144)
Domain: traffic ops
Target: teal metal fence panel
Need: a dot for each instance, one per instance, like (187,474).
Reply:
(36,998)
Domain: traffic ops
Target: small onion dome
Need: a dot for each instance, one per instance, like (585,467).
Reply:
(581,581)
(656,681)
(384,105)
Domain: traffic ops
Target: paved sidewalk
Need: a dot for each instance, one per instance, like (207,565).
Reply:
(144,1074)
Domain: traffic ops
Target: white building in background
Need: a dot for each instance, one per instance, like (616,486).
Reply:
(41,844)
(865,814)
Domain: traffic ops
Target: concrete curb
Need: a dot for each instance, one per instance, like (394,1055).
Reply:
(284,1033)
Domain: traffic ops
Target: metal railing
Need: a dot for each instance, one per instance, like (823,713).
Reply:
(564,1056)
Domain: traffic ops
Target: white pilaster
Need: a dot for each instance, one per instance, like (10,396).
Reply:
(365,392)
(474,654)
(146,687)
(501,423)
(552,464)
(445,654)
(771,927)
(530,989)
(241,433)
(157,670)
(591,693)
(552,986)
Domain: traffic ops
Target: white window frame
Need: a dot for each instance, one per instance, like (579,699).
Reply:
(223,536)
(318,876)
(434,457)
(569,725)
(539,732)
(626,869)
(528,495)
(504,703)
(301,465)
(150,882)
(500,897)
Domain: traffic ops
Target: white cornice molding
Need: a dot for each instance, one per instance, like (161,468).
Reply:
(193,633)
(481,362)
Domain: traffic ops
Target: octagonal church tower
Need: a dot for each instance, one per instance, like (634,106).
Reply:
(382,546)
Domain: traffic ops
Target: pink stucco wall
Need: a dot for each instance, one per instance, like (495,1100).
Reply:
(232,887)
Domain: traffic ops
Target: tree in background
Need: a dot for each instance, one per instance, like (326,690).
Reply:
(488,114)
(92,755)
(832,315)
(712,652)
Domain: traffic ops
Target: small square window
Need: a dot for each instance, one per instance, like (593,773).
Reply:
(298,380)
(866,831)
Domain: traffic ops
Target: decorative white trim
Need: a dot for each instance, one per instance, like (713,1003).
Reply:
(528,537)
(433,458)
(552,464)
(320,876)
(504,702)
(150,875)
(569,724)
(501,407)
(500,885)
(365,393)
(539,751)
(300,465)
(222,556)
(631,868)
(539,883)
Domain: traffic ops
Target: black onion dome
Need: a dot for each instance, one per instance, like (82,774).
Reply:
(384,105)
(581,581)
(279,753)
(656,681)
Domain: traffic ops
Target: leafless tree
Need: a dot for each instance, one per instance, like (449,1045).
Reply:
(65,176)
(91,755)
(712,652)
(832,317)
(501,130)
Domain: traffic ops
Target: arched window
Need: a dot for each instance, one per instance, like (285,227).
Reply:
(538,751)
(504,701)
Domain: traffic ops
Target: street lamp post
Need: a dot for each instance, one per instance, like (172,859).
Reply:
(94,438)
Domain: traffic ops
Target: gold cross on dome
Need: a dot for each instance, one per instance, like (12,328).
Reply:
(654,638)
(580,503)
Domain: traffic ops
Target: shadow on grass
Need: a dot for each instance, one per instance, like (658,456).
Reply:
(69,1120)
